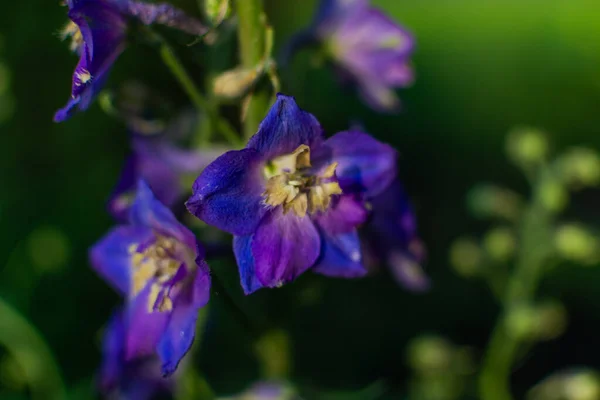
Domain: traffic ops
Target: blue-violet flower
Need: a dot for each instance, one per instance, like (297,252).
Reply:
(292,199)
(98,30)
(137,379)
(392,238)
(368,49)
(156,263)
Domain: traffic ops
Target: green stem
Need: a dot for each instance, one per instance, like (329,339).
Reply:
(30,351)
(503,348)
(201,103)
(252,42)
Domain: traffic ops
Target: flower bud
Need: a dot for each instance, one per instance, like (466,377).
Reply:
(553,195)
(520,322)
(579,384)
(49,249)
(217,10)
(235,83)
(527,147)
(575,243)
(500,244)
(466,257)
(273,350)
(489,201)
(430,354)
(580,167)
(551,320)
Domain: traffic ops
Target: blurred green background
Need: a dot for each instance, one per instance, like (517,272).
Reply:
(482,68)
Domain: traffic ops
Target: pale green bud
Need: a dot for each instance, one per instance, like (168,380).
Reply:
(500,244)
(520,322)
(217,10)
(580,167)
(430,354)
(575,384)
(551,320)
(273,349)
(575,243)
(527,146)
(49,249)
(553,195)
(490,201)
(466,257)
(235,83)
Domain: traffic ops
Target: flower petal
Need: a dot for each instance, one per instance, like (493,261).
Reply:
(408,272)
(341,256)
(164,14)
(144,328)
(365,165)
(284,246)
(242,248)
(179,334)
(113,345)
(111,257)
(344,215)
(147,211)
(285,128)
(228,193)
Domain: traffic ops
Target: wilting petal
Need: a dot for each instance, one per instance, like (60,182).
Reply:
(341,256)
(228,193)
(164,14)
(284,246)
(147,211)
(144,327)
(346,213)
(285,128)
(242,248)
(111,256)
(365,165)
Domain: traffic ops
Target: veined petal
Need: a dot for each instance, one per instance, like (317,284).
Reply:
(365,165)
(228,193)
(285,128)
(111,256)
(341,256)
(242,248)
(284,246)
(148,212)
(178,337)
(345,214)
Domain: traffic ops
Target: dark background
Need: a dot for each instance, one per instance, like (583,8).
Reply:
(482,68)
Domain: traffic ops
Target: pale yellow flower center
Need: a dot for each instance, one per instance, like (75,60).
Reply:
(157,262)
(292,184)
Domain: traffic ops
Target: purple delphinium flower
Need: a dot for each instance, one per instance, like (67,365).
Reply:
(137,379)
(392,238)
(156,263)
(98,30)
(367,48)
(292,199)
(162,165)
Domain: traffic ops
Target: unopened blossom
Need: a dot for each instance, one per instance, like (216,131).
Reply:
(162,164)
(134,379)
(159,268)
(292,199)
(367,48)
(392,238)
(98,33)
